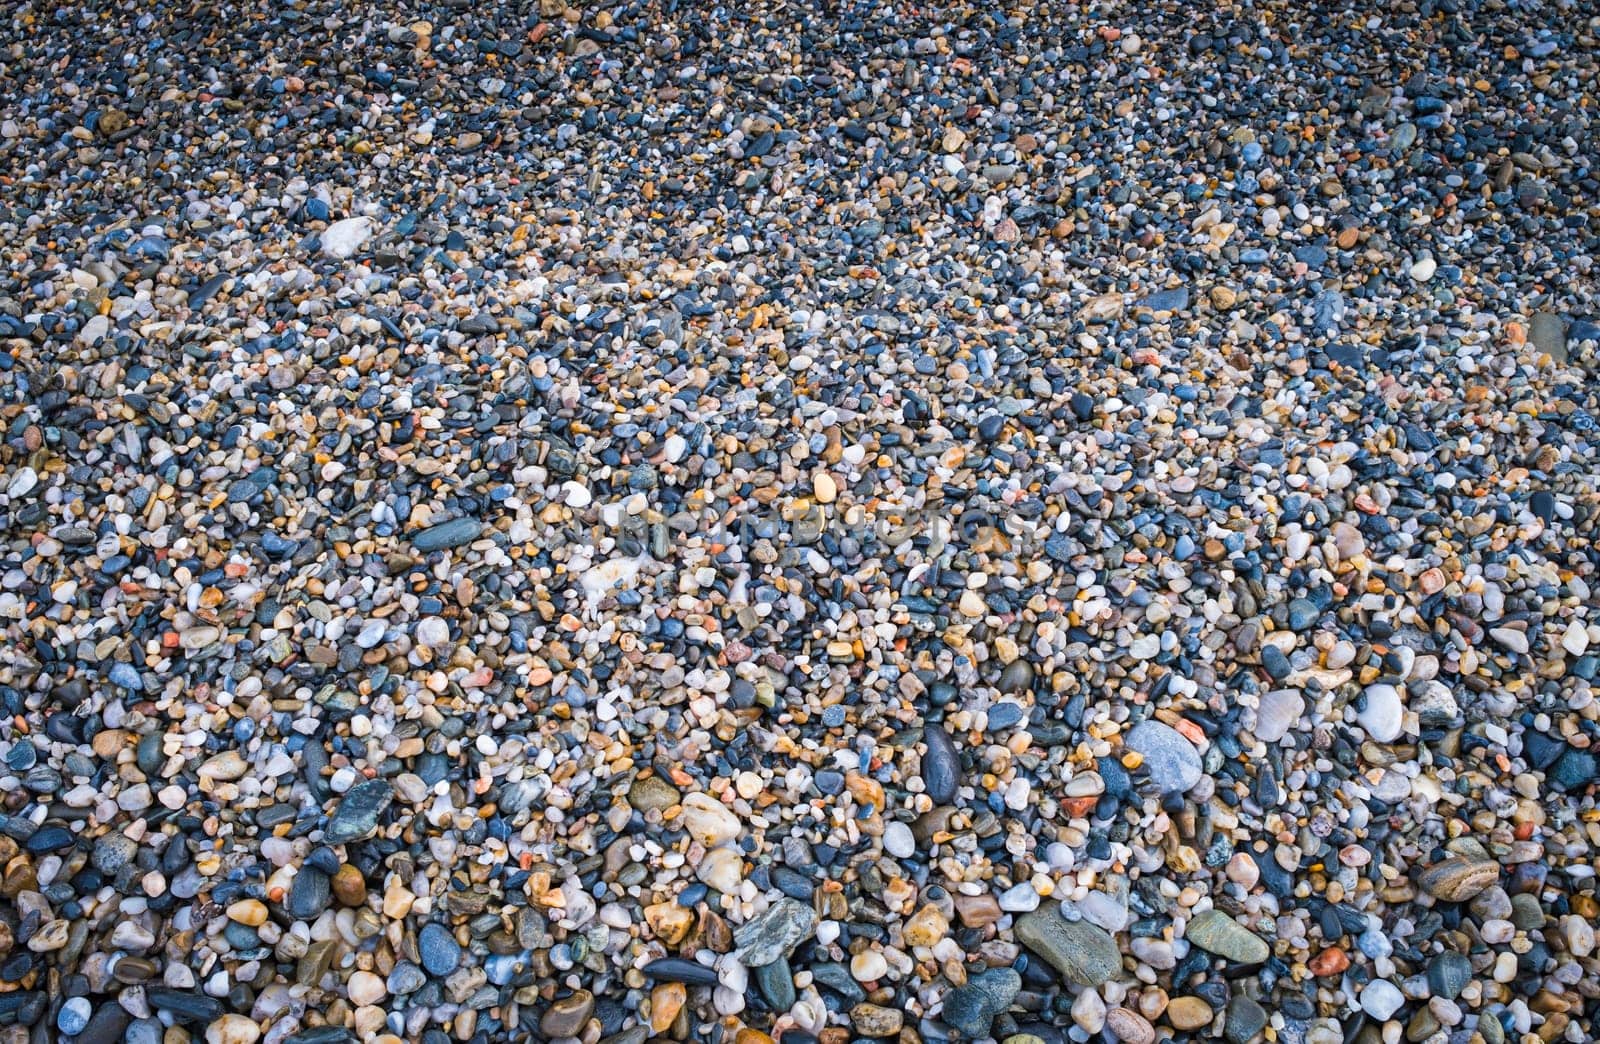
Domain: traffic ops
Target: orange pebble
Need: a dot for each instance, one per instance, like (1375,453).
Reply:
(1079,806)
(1193,733)
(1332,961)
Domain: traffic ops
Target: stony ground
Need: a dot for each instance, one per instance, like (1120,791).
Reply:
(815,522)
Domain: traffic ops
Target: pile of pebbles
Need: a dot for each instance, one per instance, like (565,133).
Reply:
(800,522)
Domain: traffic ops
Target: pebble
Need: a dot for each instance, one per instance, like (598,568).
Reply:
(440,953)
(1277,713)
(927,927)
(1189,1013)
(676,969)
(774,933)
(1084,954)
(666,1001)
(1448,975)
(358,813)
(869,966)
(1019,898)
(1381,999)
(1101,908)
(343,238)
(74,1016)
(233,1029)
(898,841)
(1383,714)
(446,535)
(873,1020)
(1216,932)
(1171,760)
(970,1009)
(941,766)
(1245,1019)
(709,821)
(1458,879)
(1129,1026)
(1548,333)
(567,1016)
(366,988)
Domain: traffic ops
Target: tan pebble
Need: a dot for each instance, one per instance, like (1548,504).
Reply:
(872,1020)
(1130,1027)
(1458,879)
(751,1036)
(233,1029)
(348,886)
(108,742)
(669,921)
(926,927)
(709,821)
(225,767)
(865,789)
(748,784)
(1188,1013)
(722,868)
(365,988)
(978,911)
(250,912)
(1102,308)
(368,1020)
(397,902)
(1242,870)
(868,966)
(666,1000)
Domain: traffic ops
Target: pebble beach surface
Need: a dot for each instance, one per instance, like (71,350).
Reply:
(799,521)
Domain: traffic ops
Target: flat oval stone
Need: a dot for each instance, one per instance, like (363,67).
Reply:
(356,818)
(440,952)
(1171,760)
(445,535)
(1448,974)
(676,969)
(1084,954)
(941,765)
(1129,1026)
(1246,1018)
(1548,333)
(185,1005)
(567,1016)
(308,894)
(1458,879)
(405,978)
(1278,711)
(1216,932)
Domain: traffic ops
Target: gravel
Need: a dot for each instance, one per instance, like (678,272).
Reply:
(760,522)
